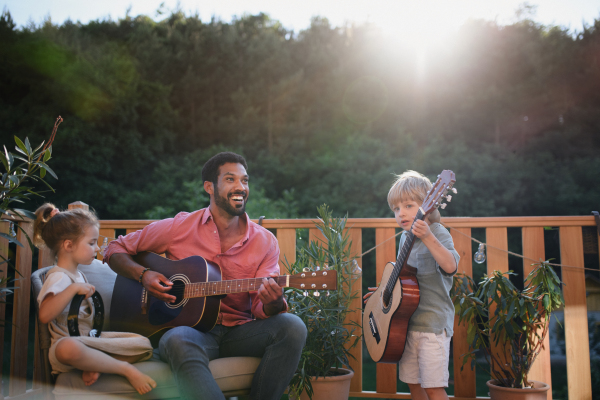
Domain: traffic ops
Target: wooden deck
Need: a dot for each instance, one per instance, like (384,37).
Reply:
(533,247)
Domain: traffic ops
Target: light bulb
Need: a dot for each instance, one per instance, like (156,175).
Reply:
(479,256)
(12,230)
(104,246)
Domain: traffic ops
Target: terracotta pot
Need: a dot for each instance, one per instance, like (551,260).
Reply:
(538,392)
(331,387)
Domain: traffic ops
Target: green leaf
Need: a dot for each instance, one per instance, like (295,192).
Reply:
(9,158)
(10,238)
(21,144)
(42,172)
(47,155)
(14,179)
(28,145)
(47,168)
(25,213)
(40,146)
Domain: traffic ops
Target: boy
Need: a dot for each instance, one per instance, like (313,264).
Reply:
(424,364)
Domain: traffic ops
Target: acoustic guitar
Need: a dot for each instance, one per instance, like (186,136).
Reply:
(198,289)
(388,310)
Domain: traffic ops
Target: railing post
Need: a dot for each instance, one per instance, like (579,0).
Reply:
(576,322)
(464,381)
(533,249)
(287,246)
(356,314)
(497,260)
(4,228)
(386,374)
(20,328)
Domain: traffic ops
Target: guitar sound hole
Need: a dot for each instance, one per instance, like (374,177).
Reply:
(177,291)
(386,308)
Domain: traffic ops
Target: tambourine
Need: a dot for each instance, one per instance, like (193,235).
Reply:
(73,318)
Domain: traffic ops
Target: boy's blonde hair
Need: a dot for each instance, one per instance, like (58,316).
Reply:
(414,186)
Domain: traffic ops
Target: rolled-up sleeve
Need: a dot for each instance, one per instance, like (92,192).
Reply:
(154,237)
(269,265)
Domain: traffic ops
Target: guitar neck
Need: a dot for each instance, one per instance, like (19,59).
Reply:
(203,289)
(402,257)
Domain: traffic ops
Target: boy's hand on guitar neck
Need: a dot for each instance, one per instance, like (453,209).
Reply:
(421,229)
(271,295)
(158,286)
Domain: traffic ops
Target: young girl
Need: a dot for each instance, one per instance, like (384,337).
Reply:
(73,236)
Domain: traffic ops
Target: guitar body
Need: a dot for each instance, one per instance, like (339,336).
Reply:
(126,313)
(385,328)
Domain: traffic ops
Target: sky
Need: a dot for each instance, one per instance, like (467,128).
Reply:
(414,18)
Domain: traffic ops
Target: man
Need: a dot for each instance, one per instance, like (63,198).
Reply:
(249,324)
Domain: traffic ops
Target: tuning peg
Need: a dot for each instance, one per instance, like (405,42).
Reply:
(316,293)
(305,269)
(327,293)
(443,205)
(305,293)
(449,198)
(454,190)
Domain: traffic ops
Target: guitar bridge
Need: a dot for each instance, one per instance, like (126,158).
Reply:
(144,301)
(373,327)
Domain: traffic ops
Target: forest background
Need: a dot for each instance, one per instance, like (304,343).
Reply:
(324,115)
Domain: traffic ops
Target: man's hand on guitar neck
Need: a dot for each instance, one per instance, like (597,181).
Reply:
(271,295)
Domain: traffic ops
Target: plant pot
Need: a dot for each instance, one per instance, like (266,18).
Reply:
(331,387)
(538,392)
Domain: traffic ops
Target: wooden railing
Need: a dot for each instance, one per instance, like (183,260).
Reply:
(532,231)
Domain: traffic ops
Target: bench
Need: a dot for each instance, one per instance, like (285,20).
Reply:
(233,375)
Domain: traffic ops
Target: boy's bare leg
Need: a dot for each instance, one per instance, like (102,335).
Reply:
(436,393)
(74,353)
(417,392)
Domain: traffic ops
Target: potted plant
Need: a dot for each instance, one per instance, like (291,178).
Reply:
(509,325)
(330,338)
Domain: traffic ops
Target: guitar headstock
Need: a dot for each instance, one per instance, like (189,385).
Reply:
(439,190)
(324,279)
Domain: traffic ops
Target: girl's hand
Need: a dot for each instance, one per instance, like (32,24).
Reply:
(421,229)
(84,288)
(369,294)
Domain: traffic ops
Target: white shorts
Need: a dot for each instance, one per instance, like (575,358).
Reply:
(425,360)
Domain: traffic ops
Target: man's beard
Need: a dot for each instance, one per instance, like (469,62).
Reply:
(223,203)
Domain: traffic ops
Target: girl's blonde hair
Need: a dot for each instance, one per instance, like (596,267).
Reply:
(52,227)
(414,186)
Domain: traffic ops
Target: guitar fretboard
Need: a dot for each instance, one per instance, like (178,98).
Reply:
(203,289)
(402,257)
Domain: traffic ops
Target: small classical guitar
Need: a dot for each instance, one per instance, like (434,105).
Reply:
(388,310)
(198,289)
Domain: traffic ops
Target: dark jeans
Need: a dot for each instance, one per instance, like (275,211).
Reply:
(278,340)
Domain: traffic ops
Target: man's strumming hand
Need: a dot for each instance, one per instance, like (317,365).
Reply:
(158,286)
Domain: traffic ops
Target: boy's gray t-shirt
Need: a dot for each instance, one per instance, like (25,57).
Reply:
(435,311)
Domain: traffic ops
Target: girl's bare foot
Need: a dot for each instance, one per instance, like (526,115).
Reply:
(140,381)
(90,377)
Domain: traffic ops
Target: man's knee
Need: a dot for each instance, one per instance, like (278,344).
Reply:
(292,328)
(182,342)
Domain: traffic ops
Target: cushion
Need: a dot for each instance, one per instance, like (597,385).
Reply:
(233,375)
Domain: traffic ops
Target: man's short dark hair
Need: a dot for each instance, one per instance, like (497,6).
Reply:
(210,170)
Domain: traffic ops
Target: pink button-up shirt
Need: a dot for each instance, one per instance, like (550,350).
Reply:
(256,255)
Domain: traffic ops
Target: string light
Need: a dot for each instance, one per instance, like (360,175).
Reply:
(479,256)
(12,232)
